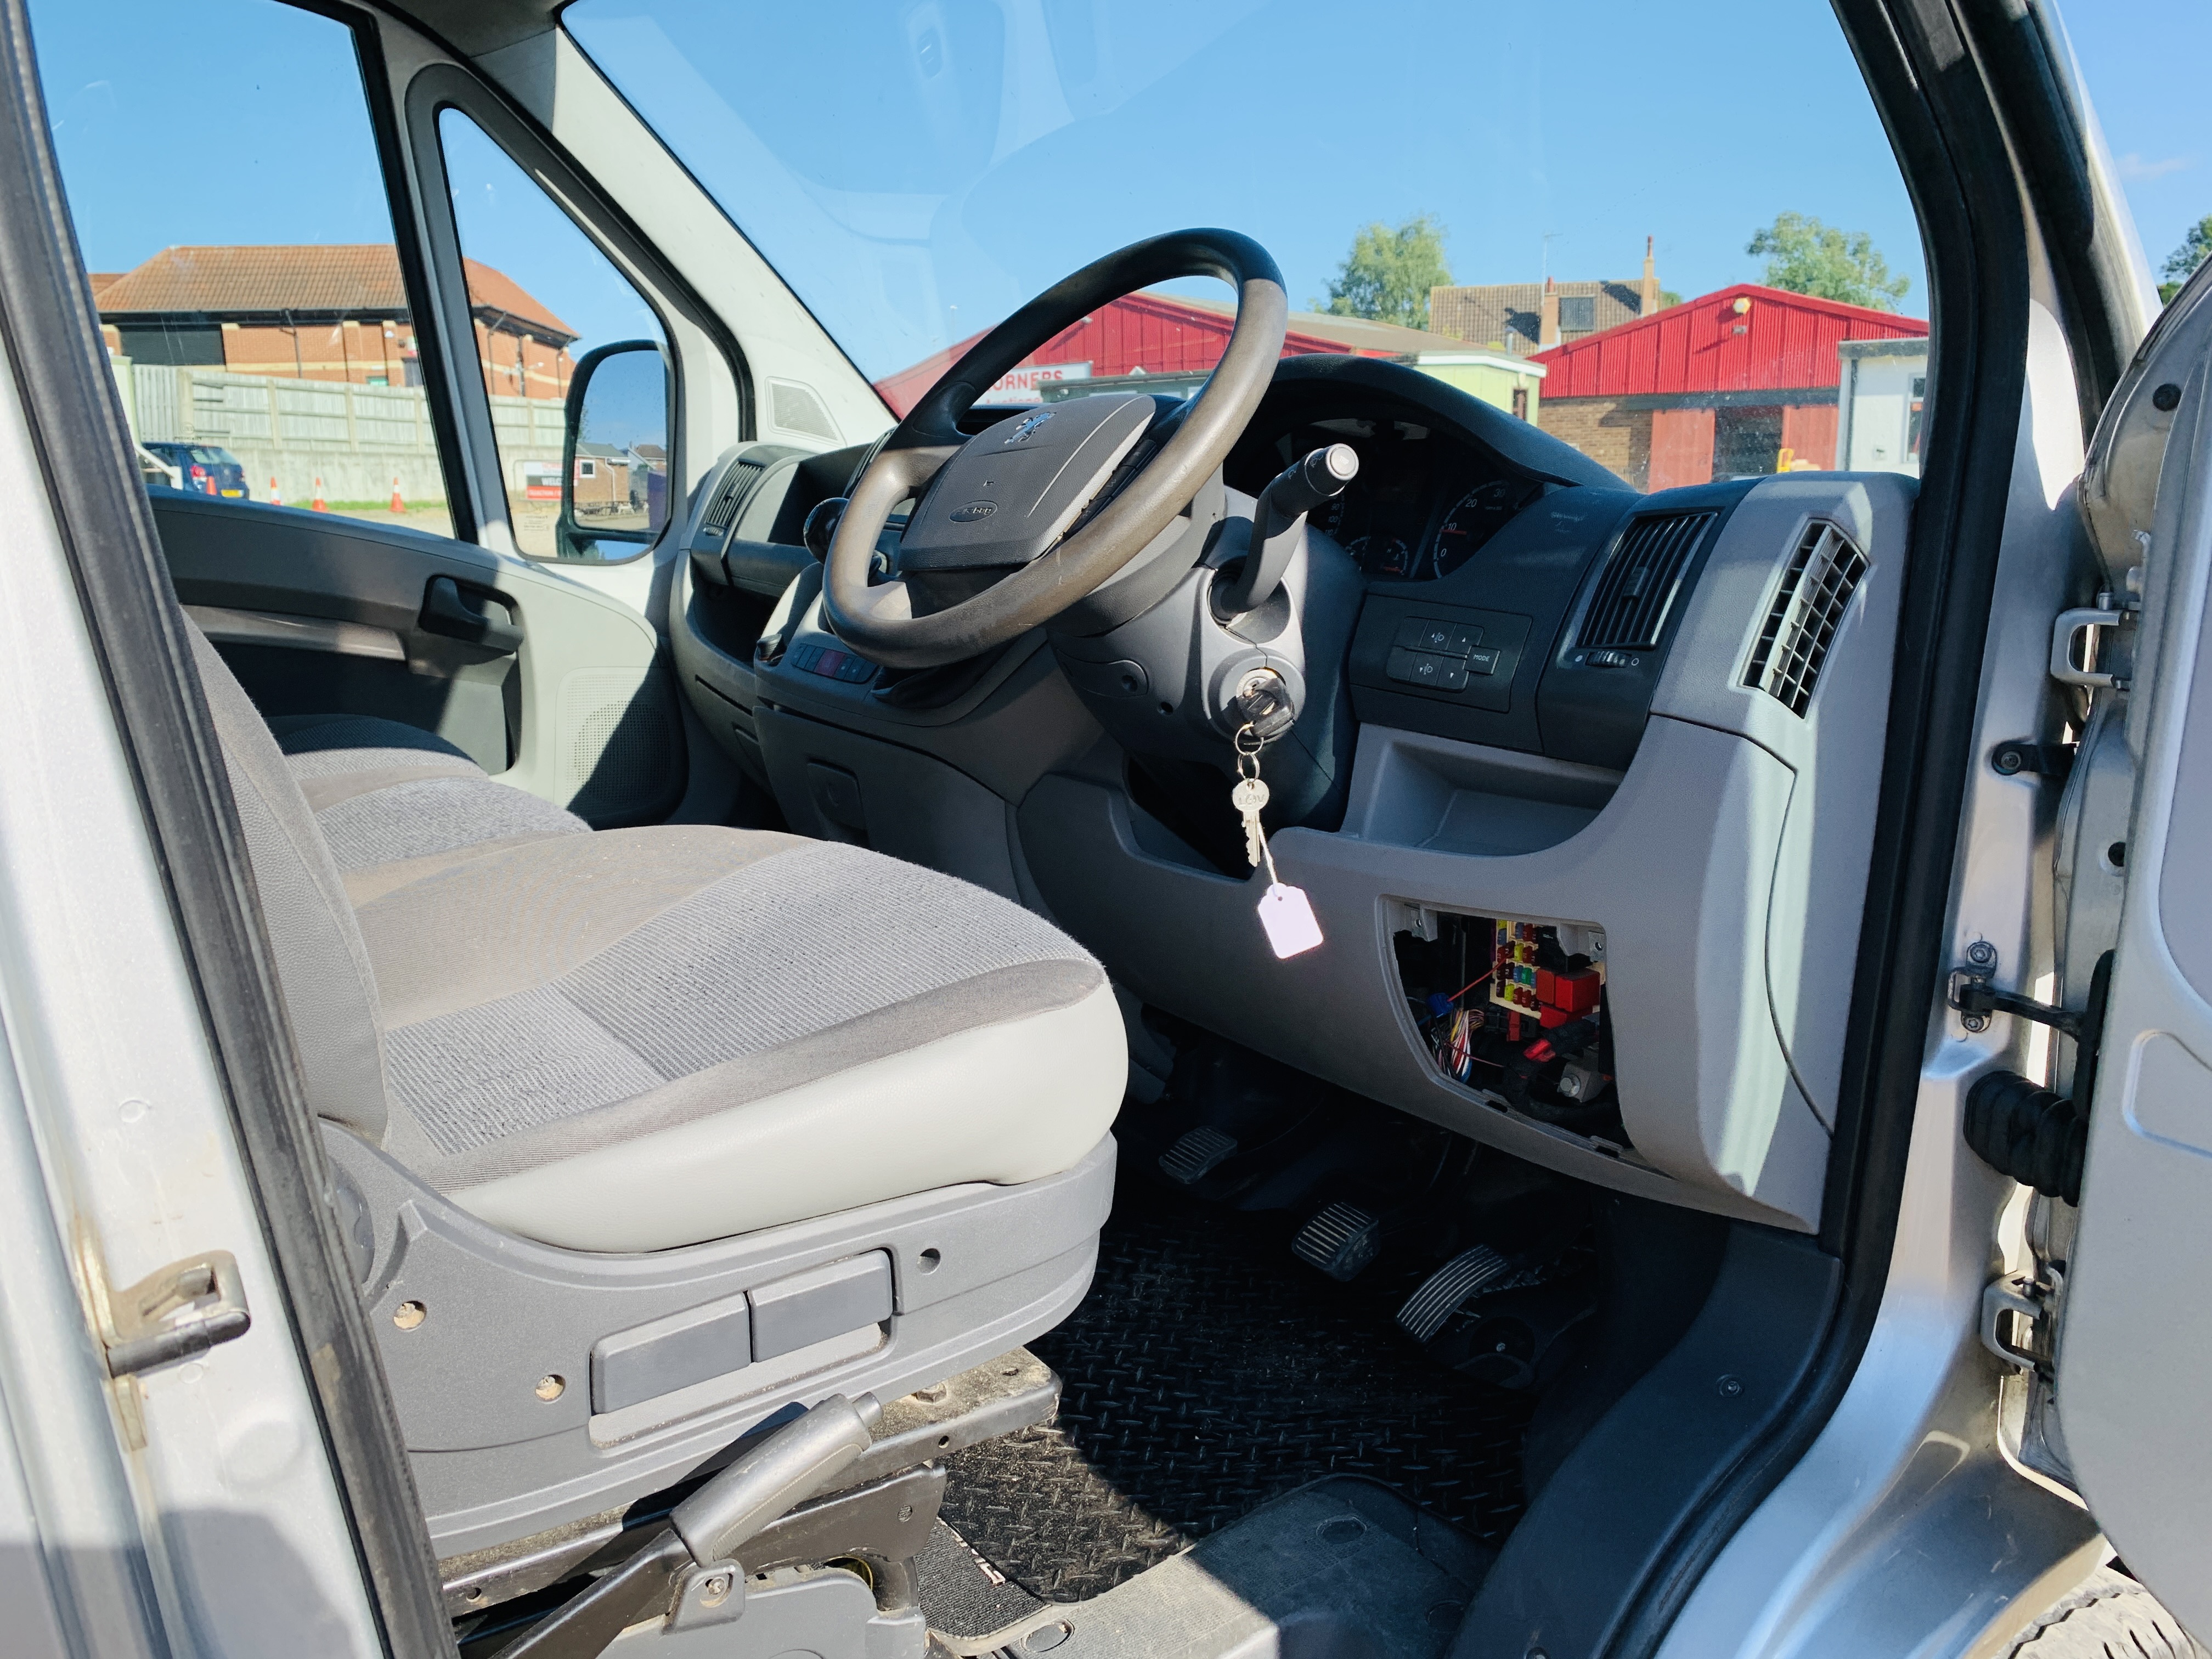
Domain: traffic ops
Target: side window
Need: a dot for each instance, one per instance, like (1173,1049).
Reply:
(549,308)
(231,208)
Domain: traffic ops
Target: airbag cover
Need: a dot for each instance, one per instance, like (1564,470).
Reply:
(1014,489)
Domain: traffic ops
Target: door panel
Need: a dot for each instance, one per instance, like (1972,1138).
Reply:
(581,713)
(2134,1341)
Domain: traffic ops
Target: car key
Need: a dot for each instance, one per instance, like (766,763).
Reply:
(1285,913)
(1249,795)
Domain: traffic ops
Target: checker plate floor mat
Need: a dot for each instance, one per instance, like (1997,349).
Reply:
(1207,1371)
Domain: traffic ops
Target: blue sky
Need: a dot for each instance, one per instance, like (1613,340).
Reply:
(912,211)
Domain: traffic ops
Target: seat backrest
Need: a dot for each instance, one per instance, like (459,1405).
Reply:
(322,965)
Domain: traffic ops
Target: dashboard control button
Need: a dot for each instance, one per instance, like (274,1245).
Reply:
(1420,634)
(831,664)
(1428,668)
(1482,662)
(1445,639)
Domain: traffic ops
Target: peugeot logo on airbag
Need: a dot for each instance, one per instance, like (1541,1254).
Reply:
(973,511)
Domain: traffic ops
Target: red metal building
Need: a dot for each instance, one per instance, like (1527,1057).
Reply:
(1148,333)
(1739,382)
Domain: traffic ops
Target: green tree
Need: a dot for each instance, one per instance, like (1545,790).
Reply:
(1389,273)
(1807,256)
(2181,265)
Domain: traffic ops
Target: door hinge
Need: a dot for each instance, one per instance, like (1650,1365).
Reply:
(2029,1307)
(173,1313)
(2017,754)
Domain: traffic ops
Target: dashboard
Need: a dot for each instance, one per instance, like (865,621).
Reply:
(1496,658)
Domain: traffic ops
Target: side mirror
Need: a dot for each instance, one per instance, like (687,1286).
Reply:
(614,452)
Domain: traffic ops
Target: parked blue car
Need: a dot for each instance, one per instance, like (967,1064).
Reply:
(206,469)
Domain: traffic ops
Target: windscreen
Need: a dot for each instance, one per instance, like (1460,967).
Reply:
(1512,198)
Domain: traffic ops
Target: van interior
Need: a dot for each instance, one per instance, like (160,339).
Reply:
(1140,1022)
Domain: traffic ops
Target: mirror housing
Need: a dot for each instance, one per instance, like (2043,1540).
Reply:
(614,450)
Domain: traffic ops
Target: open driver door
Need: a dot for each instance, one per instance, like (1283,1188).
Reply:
(2130,1356)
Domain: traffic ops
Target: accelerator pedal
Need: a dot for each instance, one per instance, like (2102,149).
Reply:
(1340,1241)
(1195,1154)
(1444,1292)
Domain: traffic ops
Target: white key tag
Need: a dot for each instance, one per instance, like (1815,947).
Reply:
(1288,917)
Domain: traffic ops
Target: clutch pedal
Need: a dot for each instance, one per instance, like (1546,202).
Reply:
(1340,1241)
(1195,1154)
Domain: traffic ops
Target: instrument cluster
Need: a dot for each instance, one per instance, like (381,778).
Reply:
(1424,503)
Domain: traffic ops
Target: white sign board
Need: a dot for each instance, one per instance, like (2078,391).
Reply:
(1021,385)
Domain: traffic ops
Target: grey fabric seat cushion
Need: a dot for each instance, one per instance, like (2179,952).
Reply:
(386,794)
(640,1039)
(551,1007)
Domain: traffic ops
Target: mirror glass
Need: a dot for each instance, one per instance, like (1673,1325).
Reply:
(617,484)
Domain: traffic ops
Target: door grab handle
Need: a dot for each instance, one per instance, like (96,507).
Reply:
(488,623)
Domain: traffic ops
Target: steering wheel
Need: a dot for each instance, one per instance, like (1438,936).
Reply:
(999,541)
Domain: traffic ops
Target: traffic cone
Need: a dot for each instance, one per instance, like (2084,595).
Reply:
(275,498)
(320,506)
(398,504)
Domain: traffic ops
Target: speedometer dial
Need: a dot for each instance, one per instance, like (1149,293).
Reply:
(1475,518)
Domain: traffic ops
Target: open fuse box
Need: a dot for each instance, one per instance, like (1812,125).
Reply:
(1515,1009)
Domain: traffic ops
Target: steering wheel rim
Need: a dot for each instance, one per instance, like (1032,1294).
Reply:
(879,621)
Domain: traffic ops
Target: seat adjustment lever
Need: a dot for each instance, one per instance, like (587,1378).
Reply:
(708,1529)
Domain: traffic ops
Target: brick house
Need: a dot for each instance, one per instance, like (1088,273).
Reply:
(318,312)
(602,478)
(1732,384)
(1527,317)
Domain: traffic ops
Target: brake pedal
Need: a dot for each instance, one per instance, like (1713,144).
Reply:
(1442,1294)
(1195,1154)
(1340,1241)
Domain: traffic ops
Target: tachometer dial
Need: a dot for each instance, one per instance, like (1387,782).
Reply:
(1474,519)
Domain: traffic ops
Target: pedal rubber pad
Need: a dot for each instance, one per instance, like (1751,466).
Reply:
(1195,1154)
(1445,1290)
(1340,1241)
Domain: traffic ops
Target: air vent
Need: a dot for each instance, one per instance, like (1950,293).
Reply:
(1640,581)
(722,511)
(1808,607)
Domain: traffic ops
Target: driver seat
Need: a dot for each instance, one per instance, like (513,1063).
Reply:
(758,1057)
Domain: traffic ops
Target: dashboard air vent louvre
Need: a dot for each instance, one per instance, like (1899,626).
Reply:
(723,510)
(1808,607)
(1640,580)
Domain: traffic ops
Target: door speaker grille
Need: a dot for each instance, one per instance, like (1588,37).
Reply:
(621,754)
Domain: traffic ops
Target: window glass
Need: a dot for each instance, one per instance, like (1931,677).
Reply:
(223,179)
(1655,243)
(543,298)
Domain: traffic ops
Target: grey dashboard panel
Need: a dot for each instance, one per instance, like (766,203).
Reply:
(1726,868)
(1677,870)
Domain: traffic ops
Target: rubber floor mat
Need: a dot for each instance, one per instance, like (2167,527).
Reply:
(1206,1372)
